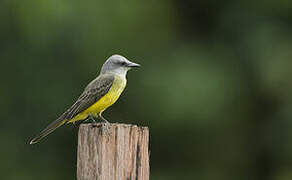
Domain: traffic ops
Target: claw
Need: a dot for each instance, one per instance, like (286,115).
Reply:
(106,129)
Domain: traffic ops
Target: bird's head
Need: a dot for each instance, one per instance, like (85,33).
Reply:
(118,64)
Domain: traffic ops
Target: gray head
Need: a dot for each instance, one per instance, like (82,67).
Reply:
(117,64)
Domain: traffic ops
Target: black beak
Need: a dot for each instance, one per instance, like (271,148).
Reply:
(131,64)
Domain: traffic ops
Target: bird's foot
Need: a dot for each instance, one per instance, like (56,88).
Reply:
(93,122)
(94,125)
(105,127)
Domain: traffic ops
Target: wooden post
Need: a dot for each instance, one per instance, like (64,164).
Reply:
(122,155)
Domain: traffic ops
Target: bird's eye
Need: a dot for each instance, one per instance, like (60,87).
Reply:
(123,63)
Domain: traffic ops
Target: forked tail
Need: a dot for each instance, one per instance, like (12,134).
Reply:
(50,128)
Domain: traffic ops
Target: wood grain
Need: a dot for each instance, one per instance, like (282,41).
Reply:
(122,155)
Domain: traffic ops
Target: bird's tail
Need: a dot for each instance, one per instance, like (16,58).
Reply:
(50,128)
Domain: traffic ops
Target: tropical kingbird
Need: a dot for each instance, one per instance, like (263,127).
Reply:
(98,95)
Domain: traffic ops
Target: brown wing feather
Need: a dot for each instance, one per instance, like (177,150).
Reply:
(92,93)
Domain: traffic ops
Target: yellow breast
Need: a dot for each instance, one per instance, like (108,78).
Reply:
(106,101)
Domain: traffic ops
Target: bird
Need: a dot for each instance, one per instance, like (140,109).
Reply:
(98,95)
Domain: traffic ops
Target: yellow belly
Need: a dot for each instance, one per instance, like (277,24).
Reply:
(106,101)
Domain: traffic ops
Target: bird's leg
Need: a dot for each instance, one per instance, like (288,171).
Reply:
(93,120)
(103,119)
(105,124)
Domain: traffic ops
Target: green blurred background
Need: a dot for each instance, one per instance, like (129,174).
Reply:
(214,89)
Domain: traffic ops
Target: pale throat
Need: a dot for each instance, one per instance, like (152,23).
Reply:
(121,72)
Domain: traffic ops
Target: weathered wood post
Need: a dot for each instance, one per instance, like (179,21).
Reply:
(123,155)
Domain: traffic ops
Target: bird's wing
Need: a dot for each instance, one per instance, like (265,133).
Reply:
(91,94)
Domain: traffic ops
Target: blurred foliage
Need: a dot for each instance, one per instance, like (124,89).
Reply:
(214,89)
